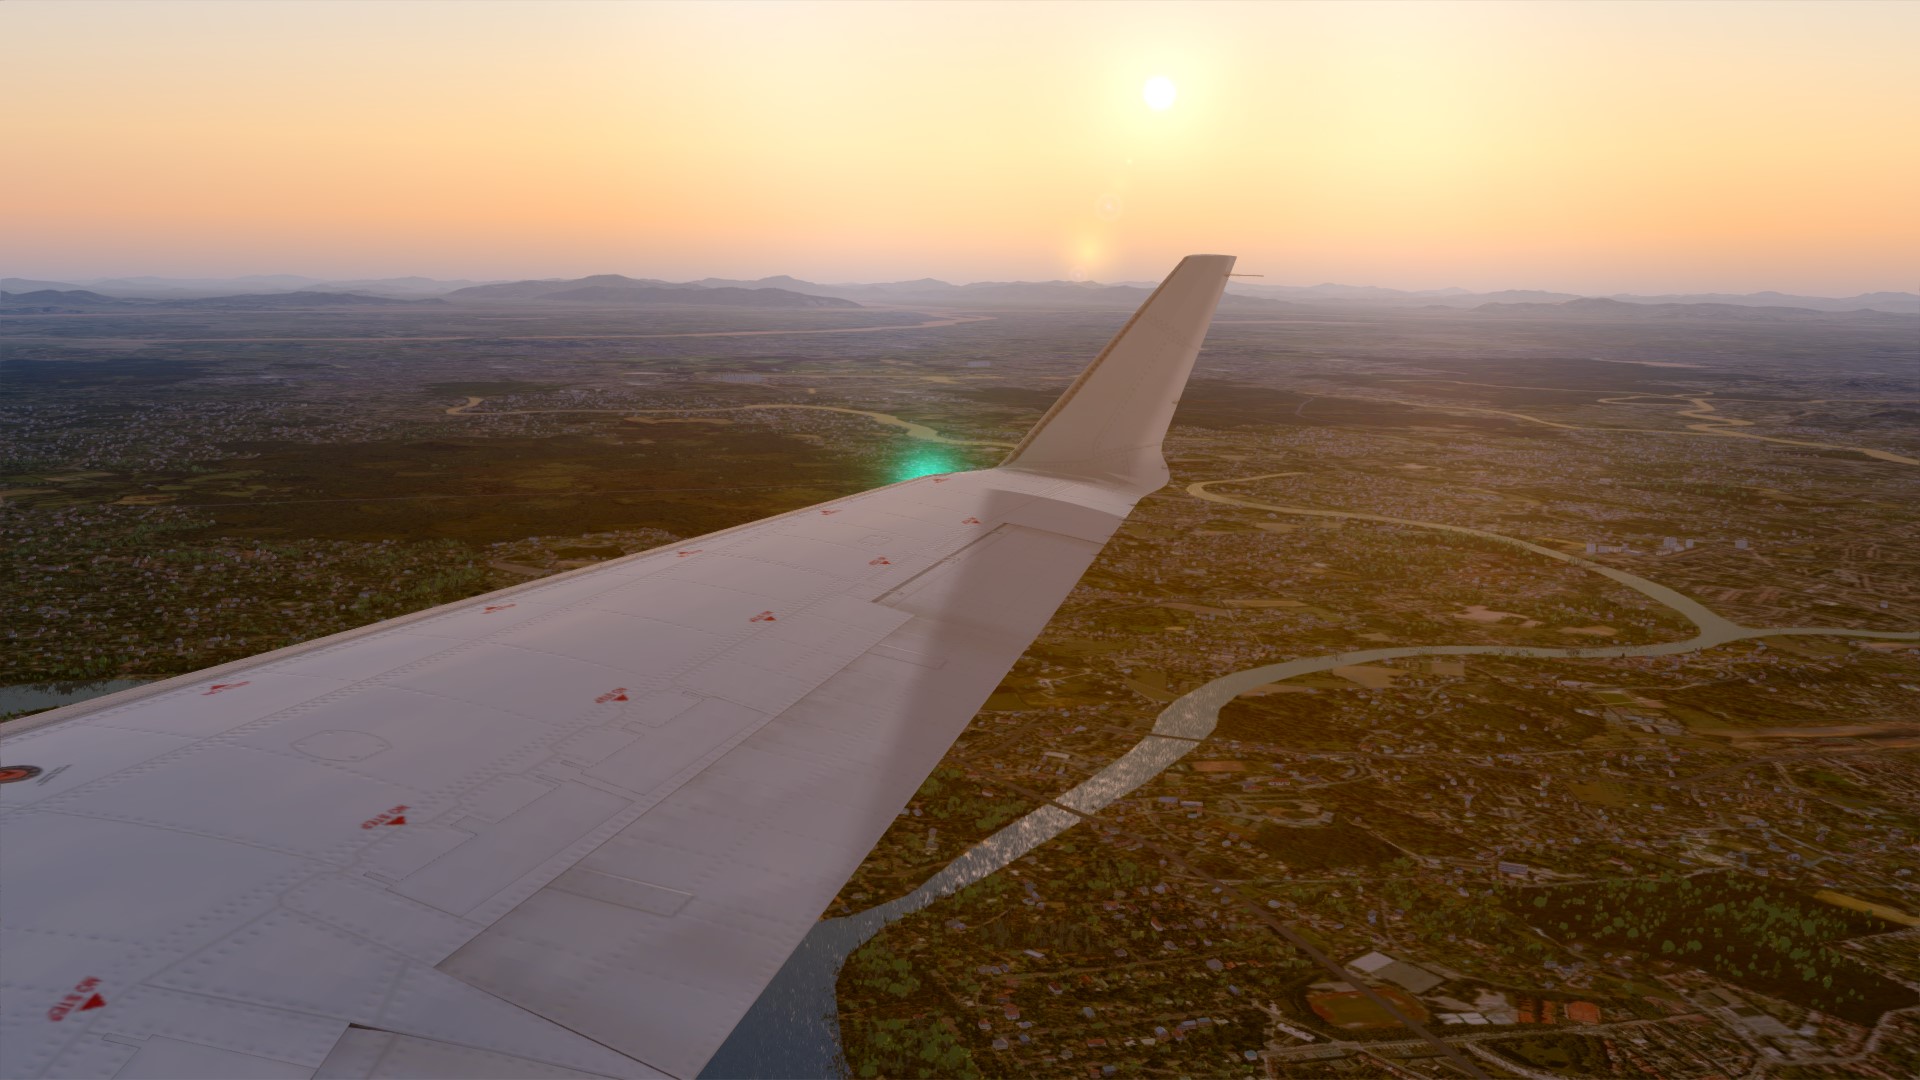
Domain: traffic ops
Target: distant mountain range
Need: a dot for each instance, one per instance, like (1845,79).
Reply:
(602,290)
(163,288)
(1248,298)
(789,292)
(1881,301)
(51,298)
(928,292)
(66,300)
(1598,307)
(616,290)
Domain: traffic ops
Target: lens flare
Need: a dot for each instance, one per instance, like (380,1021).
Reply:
(924,460)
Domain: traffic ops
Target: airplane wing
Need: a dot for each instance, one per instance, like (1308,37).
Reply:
(571,828)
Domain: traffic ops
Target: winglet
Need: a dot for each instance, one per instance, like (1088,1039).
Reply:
(1109,424)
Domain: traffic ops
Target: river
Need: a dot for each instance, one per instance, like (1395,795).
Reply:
(33,698)
(793,1030)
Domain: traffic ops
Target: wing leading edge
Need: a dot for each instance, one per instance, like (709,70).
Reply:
(570,828)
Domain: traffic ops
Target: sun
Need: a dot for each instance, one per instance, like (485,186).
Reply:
(1159,93)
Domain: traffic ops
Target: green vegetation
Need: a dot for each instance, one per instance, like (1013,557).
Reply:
(880,1041)
(1738,928)
(917,1048)
(1079,928)
(948,795)
(877,970)
(1581,1055)
(488,388)
(1437,910)
(1323,847)
(689,479)
(99,592)
(313,480)
(1370,805)
(955,811)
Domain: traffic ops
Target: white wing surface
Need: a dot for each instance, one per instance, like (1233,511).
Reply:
(570,828)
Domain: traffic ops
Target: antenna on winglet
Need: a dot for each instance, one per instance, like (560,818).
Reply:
(1109,424)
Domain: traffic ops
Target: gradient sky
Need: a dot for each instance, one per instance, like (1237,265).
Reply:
(1582,146)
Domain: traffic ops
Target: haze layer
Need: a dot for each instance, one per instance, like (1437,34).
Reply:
(1592,148)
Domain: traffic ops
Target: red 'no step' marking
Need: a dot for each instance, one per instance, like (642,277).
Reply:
(880,561)
(970,521)
(491,608)
(395,816)
(618,693)
(823,513)
(765,616)
(684,554)
(81,998)
(219,686)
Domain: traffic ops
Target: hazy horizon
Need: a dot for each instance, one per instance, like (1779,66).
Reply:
(84,280)
(1582,148)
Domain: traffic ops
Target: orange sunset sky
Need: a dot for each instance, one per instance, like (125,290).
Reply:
(1583,146)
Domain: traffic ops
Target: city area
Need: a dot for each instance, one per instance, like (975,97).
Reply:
(1512,690)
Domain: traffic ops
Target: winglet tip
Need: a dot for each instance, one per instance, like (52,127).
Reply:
(1109,424)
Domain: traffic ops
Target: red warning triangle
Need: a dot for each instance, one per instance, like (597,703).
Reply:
(94,1002)
(401,820)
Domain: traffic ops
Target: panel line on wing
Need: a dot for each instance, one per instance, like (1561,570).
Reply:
(905,588)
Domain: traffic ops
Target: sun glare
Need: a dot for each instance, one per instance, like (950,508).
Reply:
(1159,93)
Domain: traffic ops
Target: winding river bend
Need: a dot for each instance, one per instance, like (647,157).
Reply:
(793,1029)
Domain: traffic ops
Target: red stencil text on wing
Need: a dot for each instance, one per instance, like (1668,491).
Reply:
(81,998)
(394,816)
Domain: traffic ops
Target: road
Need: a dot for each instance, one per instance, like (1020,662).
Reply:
(796,1013)
(913,430)
(1191,718)
(1713,423)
